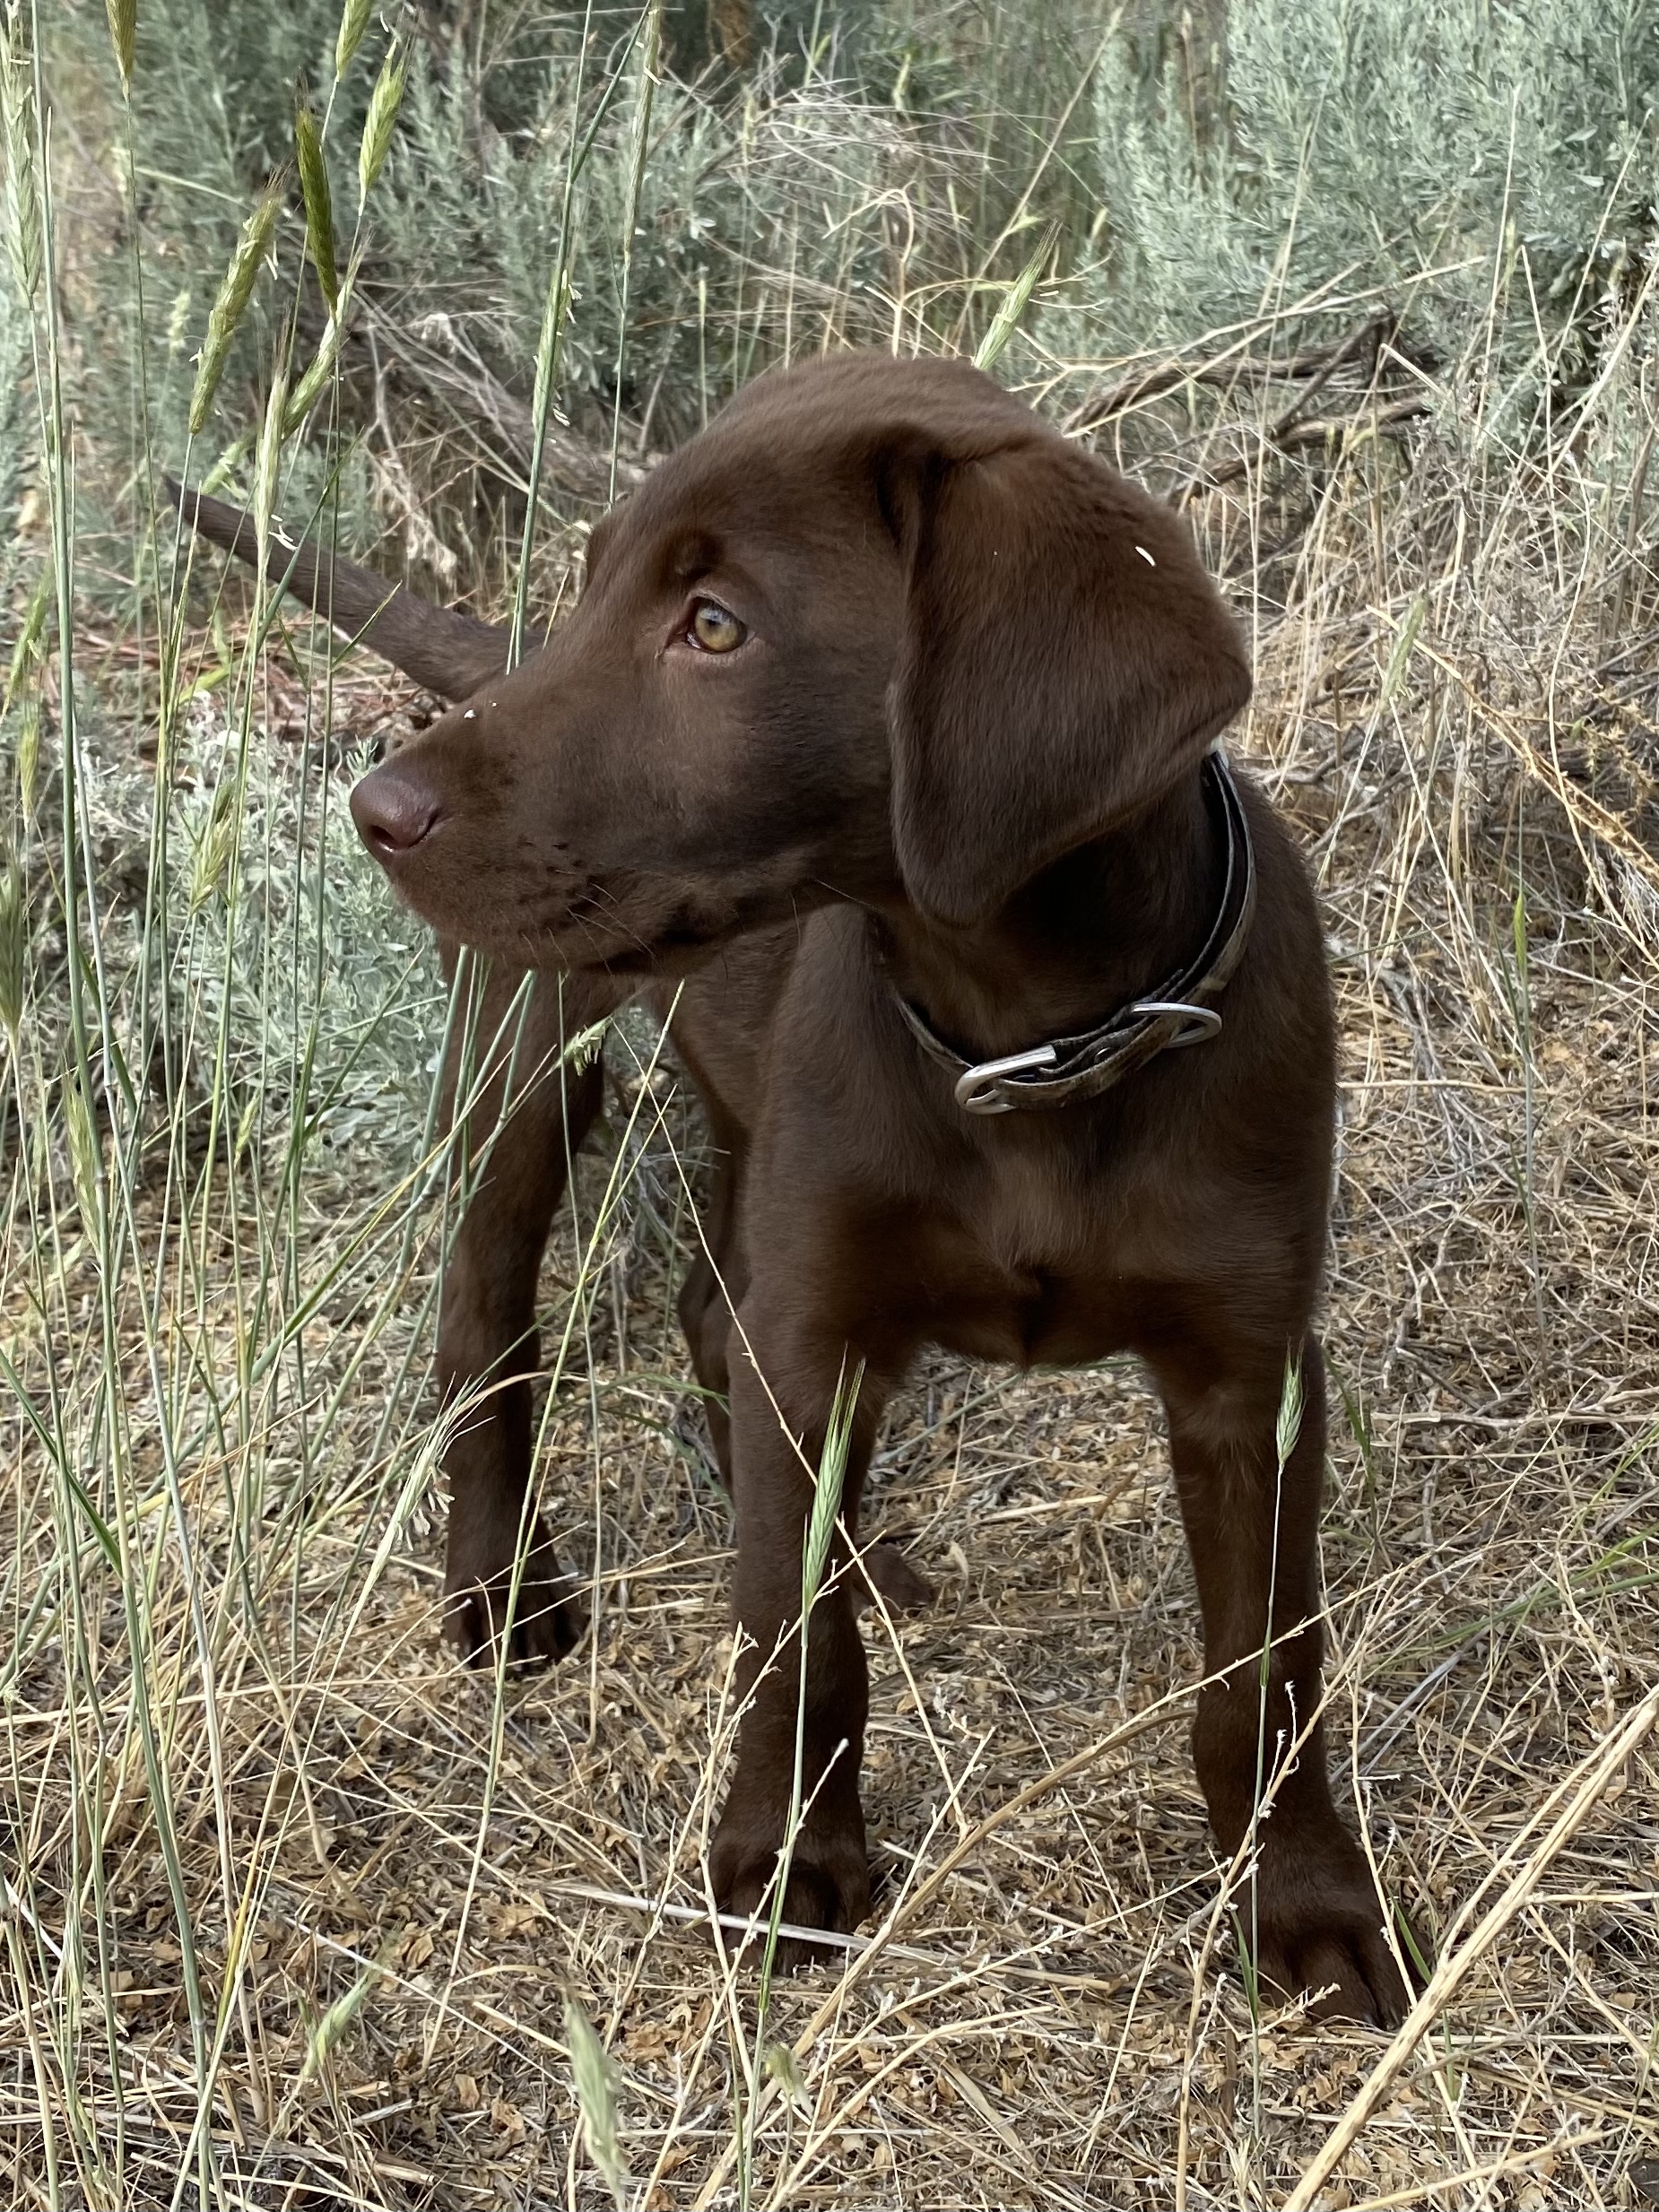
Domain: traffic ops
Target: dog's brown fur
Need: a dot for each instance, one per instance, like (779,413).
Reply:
(958,751)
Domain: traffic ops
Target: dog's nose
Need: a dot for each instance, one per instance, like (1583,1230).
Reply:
(393,811)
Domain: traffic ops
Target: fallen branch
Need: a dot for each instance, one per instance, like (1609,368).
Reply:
(1346,432)
(1235,366)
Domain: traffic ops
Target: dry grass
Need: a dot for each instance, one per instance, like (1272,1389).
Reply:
(391,1876)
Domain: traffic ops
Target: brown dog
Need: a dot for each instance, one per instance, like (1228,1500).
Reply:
(885,721)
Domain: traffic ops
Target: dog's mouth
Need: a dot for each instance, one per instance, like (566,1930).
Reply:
(613,933)
(553,909)
(594,933)
(671,955)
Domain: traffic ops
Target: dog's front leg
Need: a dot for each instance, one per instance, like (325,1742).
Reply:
(784,1380)
(520,1148)
(1311,1913)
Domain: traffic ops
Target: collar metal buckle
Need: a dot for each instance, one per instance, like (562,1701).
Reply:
(1084,1066)
(1202,1022)
(975,1090)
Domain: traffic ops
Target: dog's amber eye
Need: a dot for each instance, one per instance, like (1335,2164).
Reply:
(715,629)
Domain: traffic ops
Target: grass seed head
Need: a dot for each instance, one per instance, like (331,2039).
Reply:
(596,2094)
(379,124)
(785,2069)
(332,2029)
(13,947)
(23,205)
(30,650)
(1016,299)
(232,303)
(1288,1427)
(319,213)
(354,22)
(85,1153)
(268,458)
(28,752)
(123,36)
(215,849)
(309,388)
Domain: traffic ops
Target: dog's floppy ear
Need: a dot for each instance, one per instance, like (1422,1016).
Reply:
(1065,660)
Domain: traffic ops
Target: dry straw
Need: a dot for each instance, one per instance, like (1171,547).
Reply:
(296,1903)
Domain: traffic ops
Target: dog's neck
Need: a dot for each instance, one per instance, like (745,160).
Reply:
(1113,919)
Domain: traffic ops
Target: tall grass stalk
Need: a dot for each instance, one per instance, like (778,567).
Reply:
(576,1317)
(549,342)
(1523,997)
(829,1487)
(1287,1434)
(102,1221)
(645,89)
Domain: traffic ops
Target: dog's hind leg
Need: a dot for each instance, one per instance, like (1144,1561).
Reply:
(713,1289)
(714,1283)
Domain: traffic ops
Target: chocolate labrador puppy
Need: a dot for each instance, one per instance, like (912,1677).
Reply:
(886,725)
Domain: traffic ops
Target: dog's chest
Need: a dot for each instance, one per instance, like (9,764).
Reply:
(1039,1271)
(1031,1215)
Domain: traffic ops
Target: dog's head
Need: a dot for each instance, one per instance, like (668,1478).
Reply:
(878,633)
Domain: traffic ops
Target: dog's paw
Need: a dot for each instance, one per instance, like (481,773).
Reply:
(1317,1925)
(828,1885)
(902,1588)
(540,1620)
